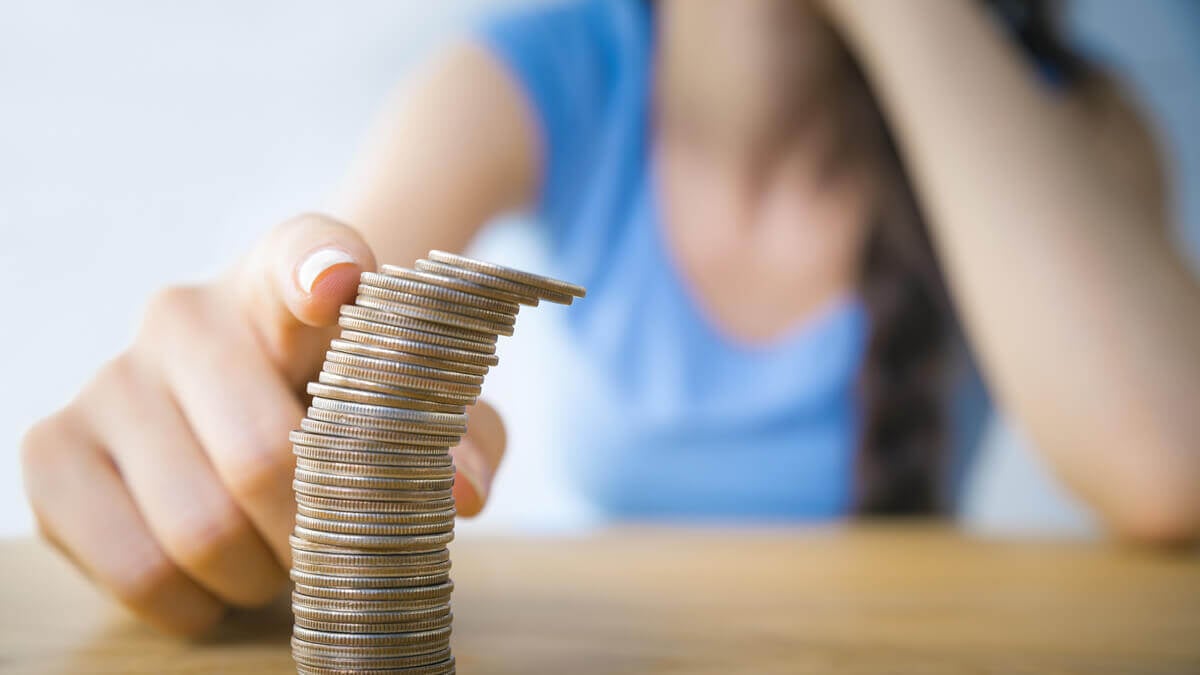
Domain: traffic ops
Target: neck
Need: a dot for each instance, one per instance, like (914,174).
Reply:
(741,79)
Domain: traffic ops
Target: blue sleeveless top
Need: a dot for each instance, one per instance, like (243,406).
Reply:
(672,419)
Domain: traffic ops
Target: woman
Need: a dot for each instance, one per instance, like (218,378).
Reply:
(766,306)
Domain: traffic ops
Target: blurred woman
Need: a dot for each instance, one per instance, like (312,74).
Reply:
(793,218)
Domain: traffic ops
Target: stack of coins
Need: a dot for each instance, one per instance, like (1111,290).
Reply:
(373,470)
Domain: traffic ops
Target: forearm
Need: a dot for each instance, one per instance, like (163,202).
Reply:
(455,148)
(1086,322)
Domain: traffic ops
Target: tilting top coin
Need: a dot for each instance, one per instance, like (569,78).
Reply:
(519,276)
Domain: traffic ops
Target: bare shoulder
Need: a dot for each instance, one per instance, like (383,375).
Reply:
(1119,132)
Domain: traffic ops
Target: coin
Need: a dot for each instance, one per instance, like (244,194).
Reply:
(364,349)
(376,639)
(361,445)
(329,656)
(373,506)
(369,494)
(361,517)
(412,300)
(421,348)
(434,316)
(352,323)
(441,592)
(374,471)
(337,380)
(493,282)
(368,410)
(384,400)
(371,605)
(367,542)
(402,380)
(373,482)
(439,459)
(323,428)
(371,571)
(440,292)
(390,425)
(404,627)
(443,668)
(527,278)
(408,616)
(390,529)
(458,285)
(375,365)
(378,559)
(327,581)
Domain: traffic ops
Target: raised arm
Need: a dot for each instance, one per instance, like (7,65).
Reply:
(1045,216)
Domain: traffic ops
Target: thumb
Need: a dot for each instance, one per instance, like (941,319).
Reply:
(297,278)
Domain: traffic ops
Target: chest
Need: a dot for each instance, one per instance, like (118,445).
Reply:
(759,256)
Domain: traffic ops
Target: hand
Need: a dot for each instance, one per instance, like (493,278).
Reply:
(167,480)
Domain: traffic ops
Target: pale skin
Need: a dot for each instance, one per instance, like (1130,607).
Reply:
(167,480)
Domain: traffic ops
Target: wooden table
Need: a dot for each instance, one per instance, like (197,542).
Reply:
(862,599)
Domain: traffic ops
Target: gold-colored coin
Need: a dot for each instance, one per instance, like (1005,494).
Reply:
(433,316)
(369,571)
(368,582)
(311,654)
(439,292)
(375,459)
(363,349)
(375,470)
(440,592)
(369,494)
(352,323)
(431,637)
(377,365)
(371,482)
(398,297)
(405,627)
(358,559)
(360,445)
(421,348)
(527,278)
(374,506)
(393,390)
(346,605)
(371,617)
(369,434)
(416,543)
(384,424)
(458,285)
(434,516)
(403,380)
(383,400)
(493,282)
(389,529)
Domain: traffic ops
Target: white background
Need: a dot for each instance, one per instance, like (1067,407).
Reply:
(143,143)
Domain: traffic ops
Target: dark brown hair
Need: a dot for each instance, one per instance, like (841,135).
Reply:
(902,461)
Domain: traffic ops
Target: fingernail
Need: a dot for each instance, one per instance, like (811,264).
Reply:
(318,263)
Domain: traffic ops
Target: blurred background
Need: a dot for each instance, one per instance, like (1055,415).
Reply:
(146,143)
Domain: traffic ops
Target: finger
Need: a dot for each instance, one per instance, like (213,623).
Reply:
(297,277)
(84,508)
(238,406)
(477,459)
(180,496)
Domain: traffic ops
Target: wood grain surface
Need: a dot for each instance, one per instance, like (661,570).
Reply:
(855,599)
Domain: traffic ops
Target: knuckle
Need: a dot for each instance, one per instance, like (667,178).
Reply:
(170,306)
(201,536)
(258,464)
(142,578)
